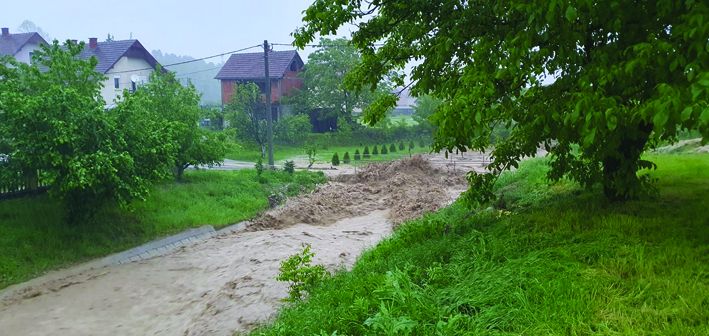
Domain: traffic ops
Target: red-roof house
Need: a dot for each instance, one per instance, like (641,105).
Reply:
(283,69)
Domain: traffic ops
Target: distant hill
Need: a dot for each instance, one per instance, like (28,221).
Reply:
(200,73)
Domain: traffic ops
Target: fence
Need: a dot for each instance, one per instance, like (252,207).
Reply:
(15,184)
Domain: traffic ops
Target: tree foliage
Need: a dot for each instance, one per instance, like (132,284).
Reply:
(52,120)
(175,108)
(246,112)
(594,83)
(323,83)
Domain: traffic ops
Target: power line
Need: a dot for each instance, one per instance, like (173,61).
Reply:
(198,71)
(191,61)
(323,45)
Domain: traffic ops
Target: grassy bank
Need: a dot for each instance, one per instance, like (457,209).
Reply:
(323,155)
(547,260)
(35,240)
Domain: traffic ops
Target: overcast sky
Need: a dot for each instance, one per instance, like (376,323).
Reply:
(196,28)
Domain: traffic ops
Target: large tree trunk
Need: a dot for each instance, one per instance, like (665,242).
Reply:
(620,179)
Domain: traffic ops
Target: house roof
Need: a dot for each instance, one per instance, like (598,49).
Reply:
(12,43)
(108,53)
(250,65)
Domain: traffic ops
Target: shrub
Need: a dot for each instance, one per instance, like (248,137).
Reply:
(259,171)
(375,151)
(311,151)
(290,129)
(392,148)
(346,158)
(356,155)
(401,146)
(289,167)
(302,276)
(335,160)
(411,145)
(422,144)
(365,153)
(384,149)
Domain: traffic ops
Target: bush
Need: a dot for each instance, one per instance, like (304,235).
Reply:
(335,160)
(392,148)
(384,149)
(289,167)
(411,145)
(346,158)
(365,154)
(401,146)
(375,151)
(259,171)
(422,144)
(356,155)
(290,129)
(302,276)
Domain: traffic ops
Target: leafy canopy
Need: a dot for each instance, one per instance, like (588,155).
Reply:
(52,121)
(324,86)
(595,83)
(246,113)
(173,111)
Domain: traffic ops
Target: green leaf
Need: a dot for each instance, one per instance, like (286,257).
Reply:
(661,117)
(704,117)
(612,122)
(571,13)
(686,113)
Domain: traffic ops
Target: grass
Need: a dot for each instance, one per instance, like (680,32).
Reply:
(548,259)
(35,240)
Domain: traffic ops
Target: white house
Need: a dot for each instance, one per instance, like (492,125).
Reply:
(20,46)
(126,65)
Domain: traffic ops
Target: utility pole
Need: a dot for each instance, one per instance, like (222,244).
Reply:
(269,113)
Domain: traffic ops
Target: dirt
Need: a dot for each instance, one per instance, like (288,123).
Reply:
(408,187)
(227,284)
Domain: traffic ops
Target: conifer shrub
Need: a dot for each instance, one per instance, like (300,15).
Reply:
(384,149)
(375,151)
(392,148)
(289,167)
(346,158)
(335,160)
(365,153)
(357,157)
(401,146)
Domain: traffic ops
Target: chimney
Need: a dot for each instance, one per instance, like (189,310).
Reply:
(93,42)
(5,32)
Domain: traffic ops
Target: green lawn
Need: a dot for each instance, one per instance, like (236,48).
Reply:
(35,240)
(547,260)
(323,155)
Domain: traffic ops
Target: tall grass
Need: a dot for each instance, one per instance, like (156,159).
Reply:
(33,238)
(551,259)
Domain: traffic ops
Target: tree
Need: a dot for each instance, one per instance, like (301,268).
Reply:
(52,119)
(323,79)
(335,159)
(291,128)
(594,83)
(28,26)
(177,107)
(246,112)
(425,107)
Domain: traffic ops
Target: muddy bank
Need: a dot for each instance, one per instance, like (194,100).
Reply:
(227,283)
(407,187)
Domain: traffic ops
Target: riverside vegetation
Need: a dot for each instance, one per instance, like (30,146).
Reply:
(546,259)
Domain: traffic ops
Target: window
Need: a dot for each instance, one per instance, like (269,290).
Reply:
(117,82)
(31,55)
(132,86)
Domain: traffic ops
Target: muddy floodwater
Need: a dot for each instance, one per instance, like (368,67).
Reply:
(227,284)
